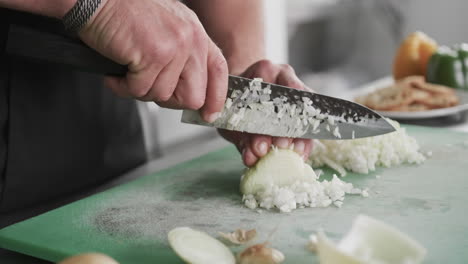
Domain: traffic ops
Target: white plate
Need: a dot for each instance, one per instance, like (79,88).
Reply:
(386,81)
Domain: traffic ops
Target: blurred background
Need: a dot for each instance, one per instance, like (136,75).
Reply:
(334,45)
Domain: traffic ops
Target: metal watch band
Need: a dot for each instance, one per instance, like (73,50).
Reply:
(79,15)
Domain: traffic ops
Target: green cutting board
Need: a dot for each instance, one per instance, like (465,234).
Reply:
(130,222)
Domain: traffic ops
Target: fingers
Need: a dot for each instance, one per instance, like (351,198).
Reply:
(166,82)
(308,148)
(190,91)
(217,84)
(264,69)
(260,145)
(288,77)
(253,147)
(303,147)
(248,157)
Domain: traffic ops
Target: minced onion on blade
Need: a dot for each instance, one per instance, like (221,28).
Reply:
(370,241)
(365,154)
(256,110)
(197,247)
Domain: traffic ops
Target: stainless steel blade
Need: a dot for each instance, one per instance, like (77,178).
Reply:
(338,118)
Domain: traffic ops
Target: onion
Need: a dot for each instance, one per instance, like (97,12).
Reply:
(89,258)
(197,247)
(370,241)
(282,180)
(365,154)
(240,236)
(260,254)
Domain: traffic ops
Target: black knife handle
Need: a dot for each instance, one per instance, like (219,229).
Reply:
(54,48)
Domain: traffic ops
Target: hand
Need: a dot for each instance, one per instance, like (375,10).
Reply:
(253,146)
(171,59)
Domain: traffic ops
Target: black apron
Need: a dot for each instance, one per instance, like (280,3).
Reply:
(60,130)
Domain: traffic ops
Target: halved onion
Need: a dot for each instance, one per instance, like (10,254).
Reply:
(280,167)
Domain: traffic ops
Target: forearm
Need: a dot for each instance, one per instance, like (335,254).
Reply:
(236,26)
(51,8)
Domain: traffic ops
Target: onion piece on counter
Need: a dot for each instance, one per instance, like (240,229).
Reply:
(260,254)
(197,247)
(240,236)
(370,241)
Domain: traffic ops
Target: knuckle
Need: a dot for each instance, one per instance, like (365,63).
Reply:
(163,96)
(219,65)
(195,103)
(266,64)
(185,34)
(138,91)
(163,52)
(287,68)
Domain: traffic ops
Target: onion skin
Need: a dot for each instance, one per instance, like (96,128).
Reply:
(260,254)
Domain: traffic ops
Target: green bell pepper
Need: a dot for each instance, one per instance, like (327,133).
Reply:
(449,67)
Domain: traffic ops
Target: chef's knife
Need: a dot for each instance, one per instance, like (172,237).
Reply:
(330,118)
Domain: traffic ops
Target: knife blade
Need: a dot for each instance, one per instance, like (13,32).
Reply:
(263,108)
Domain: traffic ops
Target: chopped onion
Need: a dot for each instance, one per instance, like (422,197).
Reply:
(365,154)
(255,110)
(283,181)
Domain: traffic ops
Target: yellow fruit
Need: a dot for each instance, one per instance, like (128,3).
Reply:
(413,55)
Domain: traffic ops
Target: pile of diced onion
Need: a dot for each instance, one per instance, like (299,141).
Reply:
(365,154)
(302,194)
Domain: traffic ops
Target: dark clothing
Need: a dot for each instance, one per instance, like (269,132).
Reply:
(60,131)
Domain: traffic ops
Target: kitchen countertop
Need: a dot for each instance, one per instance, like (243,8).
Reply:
(170,159)
(190,151)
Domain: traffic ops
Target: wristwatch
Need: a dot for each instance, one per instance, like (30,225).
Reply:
(79,15)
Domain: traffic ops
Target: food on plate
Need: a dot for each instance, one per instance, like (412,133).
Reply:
(240,236)
(365,154)
(419,55)
(197,247)
(449,66)
(282,180)
(260,254)
(89,258)
(413,55)
(370,241)
(410,94)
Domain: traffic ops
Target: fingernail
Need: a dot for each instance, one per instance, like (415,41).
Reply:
(282,143)
(262,148)
(299,147)
(212,117)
